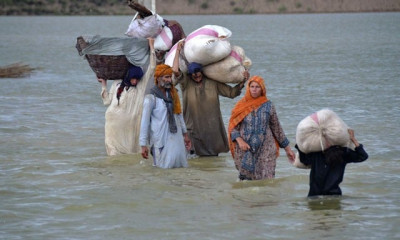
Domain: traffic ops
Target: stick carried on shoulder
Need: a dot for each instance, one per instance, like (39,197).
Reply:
(142,10)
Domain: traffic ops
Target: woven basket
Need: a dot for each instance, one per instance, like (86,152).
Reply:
(105,67)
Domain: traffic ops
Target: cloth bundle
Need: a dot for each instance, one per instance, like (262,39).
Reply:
(210,46)
(110,57)
(321,130)
(163,41)
(205,45)
(231,68)
(147,27)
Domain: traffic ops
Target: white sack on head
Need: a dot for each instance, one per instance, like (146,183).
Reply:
(321,130)
(207,44)
(230,69)
(163,41)
(147,27)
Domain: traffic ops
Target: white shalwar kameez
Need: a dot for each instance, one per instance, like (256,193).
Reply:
(168,149)
(122,124)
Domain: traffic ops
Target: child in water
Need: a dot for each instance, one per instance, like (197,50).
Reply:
(327,167)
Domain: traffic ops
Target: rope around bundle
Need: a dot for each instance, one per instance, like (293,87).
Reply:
(314,117)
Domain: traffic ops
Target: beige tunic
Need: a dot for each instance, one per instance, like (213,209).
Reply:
(202,114)
(122,124)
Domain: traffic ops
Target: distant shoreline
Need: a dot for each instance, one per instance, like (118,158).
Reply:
(197,7)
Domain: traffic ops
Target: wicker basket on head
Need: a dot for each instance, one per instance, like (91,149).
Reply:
(104,66)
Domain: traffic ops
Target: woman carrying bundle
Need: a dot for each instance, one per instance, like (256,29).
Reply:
(327,167)
(125,101)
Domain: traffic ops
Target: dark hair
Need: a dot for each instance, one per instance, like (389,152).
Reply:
(120,90)
(334,155)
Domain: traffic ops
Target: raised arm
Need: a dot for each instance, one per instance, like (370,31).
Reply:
(105,95)
(359,154)
(175,65)
(178,74)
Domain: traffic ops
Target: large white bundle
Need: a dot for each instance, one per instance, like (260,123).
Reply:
(147,27)
(321,130)
(163,41)
(207,44)
(231,68)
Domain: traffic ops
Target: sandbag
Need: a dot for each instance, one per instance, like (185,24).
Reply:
(231,68)
(147,27)
(321,130)
(207,44)
(163,41)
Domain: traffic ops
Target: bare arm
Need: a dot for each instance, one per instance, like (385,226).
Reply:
(353,138)
(178,76)
(105,95)
(175,65)
(359,154)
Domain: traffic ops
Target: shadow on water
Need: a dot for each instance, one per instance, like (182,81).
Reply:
(325,203)
(208,163)
(263,193)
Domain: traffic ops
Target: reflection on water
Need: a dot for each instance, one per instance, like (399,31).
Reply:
(325,203)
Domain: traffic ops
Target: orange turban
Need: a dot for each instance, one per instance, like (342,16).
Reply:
(162,70)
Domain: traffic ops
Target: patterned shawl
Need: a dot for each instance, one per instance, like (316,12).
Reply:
(245,106)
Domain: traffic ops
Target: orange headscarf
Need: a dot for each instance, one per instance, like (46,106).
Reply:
(162,70)
(245,106)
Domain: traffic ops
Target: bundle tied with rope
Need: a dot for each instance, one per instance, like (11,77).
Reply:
(322,130)
(318,132)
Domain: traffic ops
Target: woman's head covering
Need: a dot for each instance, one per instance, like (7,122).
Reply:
(162,70)
(133,72)
(260,82)
(245,106)
(194,67)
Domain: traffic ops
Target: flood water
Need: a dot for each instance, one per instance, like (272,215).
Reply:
(56,181)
